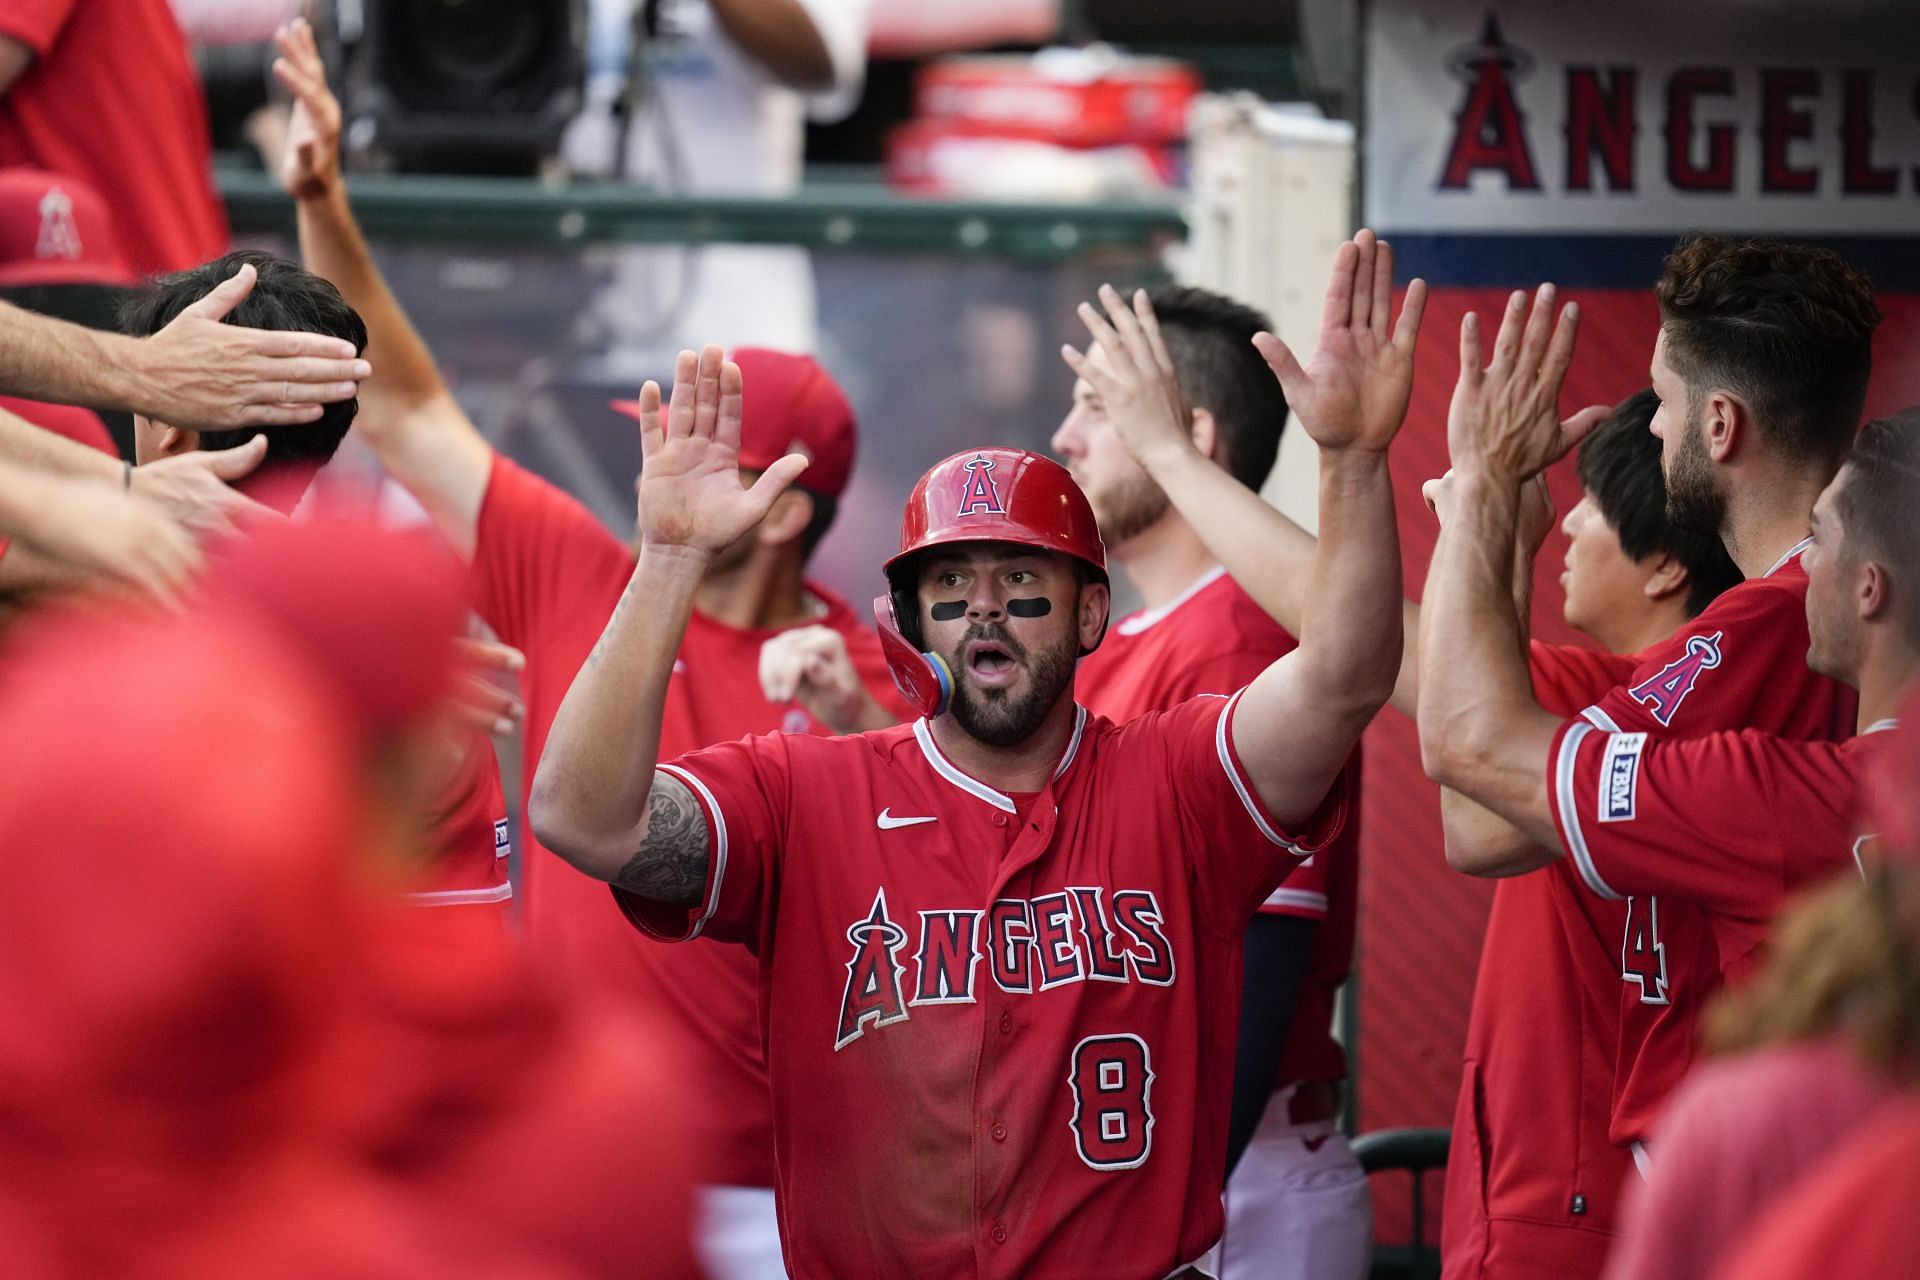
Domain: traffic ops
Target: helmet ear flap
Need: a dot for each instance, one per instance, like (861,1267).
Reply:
(922,678)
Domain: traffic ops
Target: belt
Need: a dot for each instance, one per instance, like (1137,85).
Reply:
(1314,1101)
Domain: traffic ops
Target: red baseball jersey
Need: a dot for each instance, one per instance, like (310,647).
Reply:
(1001,1035)
(546,575)
(1533,1188)
(1214,639)
(1733,823)
(1742,664)
(112,97)
(469,845)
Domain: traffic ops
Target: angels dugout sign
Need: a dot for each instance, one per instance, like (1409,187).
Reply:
(1629,117)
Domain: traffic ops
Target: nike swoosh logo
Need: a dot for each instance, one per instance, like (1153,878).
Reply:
(888,822)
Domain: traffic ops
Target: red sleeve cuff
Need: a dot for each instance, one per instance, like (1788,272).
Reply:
(1304,904)
(1303,839)
(664,920)
(1563,796)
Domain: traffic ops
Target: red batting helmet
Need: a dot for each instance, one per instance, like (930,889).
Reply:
(983,495)
(1000,495)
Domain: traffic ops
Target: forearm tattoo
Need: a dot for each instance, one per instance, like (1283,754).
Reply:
(613,621)
(671,865)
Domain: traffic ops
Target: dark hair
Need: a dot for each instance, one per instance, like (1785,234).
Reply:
(1788,327)
(284,297)
(1879,509)
(1619,465)
(1210,339)
(825,507)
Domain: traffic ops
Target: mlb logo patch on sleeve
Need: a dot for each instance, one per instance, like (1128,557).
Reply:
(502,842)
(1620,776)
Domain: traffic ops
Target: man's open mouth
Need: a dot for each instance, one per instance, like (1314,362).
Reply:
(991,661)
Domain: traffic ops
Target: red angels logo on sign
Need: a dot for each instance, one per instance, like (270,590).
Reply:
(981,496)
(1490,129)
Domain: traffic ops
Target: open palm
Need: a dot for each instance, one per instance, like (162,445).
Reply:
(1353,391)
(311,165)
(690,493)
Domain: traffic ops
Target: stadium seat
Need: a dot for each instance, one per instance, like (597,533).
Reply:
(1416,1152)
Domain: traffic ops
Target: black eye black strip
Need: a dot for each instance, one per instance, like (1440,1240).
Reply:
(1036,607)
(948,610)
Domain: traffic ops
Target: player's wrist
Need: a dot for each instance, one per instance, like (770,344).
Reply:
(123,372)
(674,560)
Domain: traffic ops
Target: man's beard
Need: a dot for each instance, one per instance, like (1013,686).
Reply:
(1129,508)
(1694,503)
(994,716)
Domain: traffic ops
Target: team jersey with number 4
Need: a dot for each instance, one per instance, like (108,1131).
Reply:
(1000,1029)
(1732,822)
(1742,664)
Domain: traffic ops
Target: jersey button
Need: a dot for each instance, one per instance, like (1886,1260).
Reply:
(999,1133)
(999,819)
(1006,1023)
(999,1233)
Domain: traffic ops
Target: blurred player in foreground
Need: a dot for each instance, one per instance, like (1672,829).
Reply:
(218,1017)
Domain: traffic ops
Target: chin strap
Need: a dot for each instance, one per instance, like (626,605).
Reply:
(922,678)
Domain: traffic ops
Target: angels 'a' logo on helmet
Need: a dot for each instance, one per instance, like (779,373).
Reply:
(982,495)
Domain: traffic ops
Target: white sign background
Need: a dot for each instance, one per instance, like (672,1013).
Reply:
(1421,55)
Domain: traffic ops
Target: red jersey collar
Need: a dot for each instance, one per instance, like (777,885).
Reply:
(1792,551)
(978,789)
(1133,624)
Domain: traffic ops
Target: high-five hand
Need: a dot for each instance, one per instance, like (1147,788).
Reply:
(691,499)
(311,166)
(1505,417)
(1353,391)
(1128,367)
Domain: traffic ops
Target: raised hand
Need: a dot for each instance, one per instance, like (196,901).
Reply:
(811,666)
(196,488)
(479,702)
(1505,417)
(691,499)
(1127,365)
(199,372)
(310,169)
(1353,391)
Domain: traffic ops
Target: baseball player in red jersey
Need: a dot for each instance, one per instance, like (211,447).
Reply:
(1745,462)
(1541,1174)
(1533,1189)
(545,576)
(1297,1202)
(999,947)
(1736,821)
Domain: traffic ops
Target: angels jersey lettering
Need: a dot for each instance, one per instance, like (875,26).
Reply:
(993,1038)
(1075,941)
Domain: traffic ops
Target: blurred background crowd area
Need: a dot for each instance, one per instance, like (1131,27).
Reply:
(537,174)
